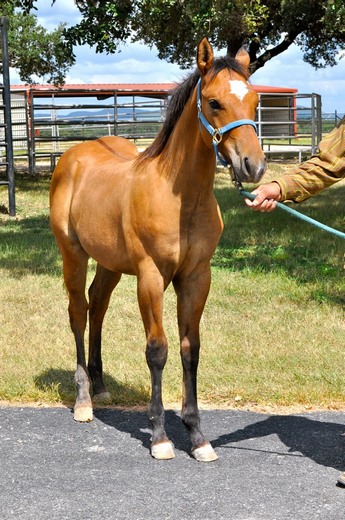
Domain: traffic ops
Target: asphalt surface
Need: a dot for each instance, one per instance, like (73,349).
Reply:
(270,467)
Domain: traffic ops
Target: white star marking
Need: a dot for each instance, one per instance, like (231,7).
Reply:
(238,88)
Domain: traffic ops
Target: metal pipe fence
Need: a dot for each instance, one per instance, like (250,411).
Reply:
(6,143)
(288,124)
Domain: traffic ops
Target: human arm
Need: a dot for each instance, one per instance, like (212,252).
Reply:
(309,178)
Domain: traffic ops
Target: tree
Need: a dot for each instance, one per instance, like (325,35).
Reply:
(34,51)
(266,27)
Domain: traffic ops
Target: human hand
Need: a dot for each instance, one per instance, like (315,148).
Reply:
(266,198)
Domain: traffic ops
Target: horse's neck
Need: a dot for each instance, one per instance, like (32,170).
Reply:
(187,159)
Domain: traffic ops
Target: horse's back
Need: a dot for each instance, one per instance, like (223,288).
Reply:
(119,147)
(100,151)
(106,154)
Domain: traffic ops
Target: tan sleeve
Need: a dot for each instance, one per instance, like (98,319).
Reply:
(319,172)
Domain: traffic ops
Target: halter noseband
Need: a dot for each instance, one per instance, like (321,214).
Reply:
(217,133)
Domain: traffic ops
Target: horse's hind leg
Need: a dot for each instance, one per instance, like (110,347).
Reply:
(74,269)
(192,293)
(99,295)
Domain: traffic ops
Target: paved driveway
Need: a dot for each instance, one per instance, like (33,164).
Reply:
(269,467)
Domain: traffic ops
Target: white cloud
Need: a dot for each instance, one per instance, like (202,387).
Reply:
(289,70)
(61,11)
(134,64)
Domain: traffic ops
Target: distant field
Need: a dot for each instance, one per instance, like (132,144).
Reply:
(272,333)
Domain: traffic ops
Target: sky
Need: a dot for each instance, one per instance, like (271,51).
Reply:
(139,64)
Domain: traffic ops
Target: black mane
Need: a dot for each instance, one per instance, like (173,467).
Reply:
(179,98)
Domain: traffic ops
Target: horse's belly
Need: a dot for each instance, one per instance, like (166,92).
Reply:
(110,253)
(101,236)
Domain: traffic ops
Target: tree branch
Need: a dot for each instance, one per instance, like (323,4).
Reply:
(274,51)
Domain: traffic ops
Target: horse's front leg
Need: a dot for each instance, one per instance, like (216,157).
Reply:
(192,292)
(150,298)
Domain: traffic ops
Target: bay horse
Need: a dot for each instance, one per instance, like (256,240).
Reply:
(154,215)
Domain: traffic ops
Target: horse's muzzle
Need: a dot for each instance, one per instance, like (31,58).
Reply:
(248,169)
(253,170)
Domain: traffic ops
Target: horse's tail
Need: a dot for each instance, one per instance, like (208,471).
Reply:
(61,191)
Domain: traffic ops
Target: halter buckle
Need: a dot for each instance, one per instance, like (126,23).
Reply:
(217,136)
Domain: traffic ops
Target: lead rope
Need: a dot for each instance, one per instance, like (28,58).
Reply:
(293,212)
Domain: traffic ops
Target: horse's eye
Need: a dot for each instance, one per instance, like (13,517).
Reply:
(214,104)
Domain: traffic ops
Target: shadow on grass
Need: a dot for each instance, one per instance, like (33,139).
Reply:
(31,183)
(322,442)
(61,381)
(274,242)
(278,242)
(27,246)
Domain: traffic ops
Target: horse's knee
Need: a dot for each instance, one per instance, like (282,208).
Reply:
(77,310)
(156,353)
(190,354)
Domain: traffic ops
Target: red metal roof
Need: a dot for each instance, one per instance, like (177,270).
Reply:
(264,89)
(156,90)
(102,90)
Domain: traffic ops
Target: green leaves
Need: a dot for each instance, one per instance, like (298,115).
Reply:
(34,51)
(105,24)
(266,27)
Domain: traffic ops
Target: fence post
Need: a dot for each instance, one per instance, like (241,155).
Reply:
(6,95)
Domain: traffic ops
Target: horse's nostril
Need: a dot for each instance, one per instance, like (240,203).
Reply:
(247,165)
(255,169)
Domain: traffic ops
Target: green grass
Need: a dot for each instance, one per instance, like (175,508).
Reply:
(272,332)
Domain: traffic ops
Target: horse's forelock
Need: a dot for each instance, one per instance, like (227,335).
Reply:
(229,63)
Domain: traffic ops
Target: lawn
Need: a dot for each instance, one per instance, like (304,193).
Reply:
(272,331)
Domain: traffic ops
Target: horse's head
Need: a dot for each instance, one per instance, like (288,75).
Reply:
(226,109)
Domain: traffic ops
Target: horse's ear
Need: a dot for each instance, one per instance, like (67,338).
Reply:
(205,56)
(243,58)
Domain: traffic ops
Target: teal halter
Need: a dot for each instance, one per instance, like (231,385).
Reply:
(217,133)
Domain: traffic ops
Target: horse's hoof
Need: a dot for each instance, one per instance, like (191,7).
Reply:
(163,451)
(83,414)
(103,397)
(205,453)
